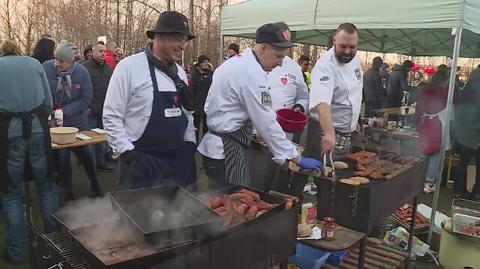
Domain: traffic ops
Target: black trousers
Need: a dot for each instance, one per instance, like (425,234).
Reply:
(466,154)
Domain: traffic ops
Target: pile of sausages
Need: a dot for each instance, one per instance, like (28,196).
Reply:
(369,164)
(238,207)
(404,215)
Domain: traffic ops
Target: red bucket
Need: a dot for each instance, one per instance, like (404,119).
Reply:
(290,120)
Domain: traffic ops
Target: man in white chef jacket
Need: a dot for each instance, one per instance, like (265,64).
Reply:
(239,96)
(335,96)
(287,86)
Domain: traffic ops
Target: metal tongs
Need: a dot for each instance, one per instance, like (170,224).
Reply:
(334,179)
(325,172)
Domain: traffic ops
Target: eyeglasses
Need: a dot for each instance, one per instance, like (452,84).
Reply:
(180,38)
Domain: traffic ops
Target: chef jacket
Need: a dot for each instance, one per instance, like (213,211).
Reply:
(128,103)
(340,86)
(240,93)
(287,86)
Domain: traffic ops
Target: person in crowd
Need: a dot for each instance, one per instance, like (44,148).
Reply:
(25,145)
(372,85)
(111,54)
(201,79)
(87,53)
(239,95)
(147,115)
(120,55)
(77,57)
(232,51)
(417,81)
(100,74)
(71,88)
(44,50)
(398,84)
(430,116)
(304,61)
(335,96)
(385,75)
(467,130)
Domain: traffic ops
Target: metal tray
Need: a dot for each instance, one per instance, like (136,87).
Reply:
(166,215)
(159,255)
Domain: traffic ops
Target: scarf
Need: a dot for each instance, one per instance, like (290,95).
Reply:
(170,69)
(64,84)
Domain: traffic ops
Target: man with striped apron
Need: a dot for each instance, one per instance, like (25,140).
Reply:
(239,96)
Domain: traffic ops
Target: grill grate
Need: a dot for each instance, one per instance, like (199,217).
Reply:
(64,245)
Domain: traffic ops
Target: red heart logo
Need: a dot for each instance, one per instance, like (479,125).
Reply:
(77,86)
(284,80)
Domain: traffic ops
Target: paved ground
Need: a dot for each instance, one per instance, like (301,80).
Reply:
(107,181)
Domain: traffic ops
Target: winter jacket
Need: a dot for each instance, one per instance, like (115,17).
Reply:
(74,107)
(100,74)
(397,84)
(199,85)
(372,85)
(467,114)
(110,59)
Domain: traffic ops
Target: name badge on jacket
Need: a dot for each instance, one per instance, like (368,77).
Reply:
(173,112)
(266,99)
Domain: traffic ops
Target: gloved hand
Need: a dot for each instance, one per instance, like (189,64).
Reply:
(129,157)
(310,163)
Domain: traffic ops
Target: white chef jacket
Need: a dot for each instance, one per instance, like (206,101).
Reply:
(339,85)
(287,86)
(129,99)
(240,93)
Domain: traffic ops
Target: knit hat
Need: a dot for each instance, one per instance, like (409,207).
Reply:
(202,58)
(65,51)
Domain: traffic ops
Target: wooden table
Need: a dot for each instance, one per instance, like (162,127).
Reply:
(344,239)
(96,139)
(396,111)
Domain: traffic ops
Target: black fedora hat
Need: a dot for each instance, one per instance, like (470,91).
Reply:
(171,22)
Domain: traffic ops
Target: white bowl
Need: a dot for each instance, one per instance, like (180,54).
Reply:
(63,135)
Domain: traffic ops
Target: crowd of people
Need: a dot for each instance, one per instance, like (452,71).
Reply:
(155,113)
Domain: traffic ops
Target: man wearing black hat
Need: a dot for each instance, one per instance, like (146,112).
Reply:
(239,95)
(200,83)
(146,115)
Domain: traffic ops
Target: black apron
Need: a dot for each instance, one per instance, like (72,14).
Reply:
(235,146)
(163,157)
(41,112)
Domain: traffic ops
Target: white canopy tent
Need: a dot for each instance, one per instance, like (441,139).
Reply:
(417,28)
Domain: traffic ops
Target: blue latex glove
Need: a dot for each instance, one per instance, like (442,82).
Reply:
(310,163)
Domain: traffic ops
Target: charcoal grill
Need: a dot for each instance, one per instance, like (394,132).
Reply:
(364,207)
(271,235)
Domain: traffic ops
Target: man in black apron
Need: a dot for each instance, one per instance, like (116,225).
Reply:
(25,146)
(154,136)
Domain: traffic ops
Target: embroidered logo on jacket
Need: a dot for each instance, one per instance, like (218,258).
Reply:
(324,78)
(284,80)
(357,73)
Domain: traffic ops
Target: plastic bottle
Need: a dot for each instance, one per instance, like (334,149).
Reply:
(58,117)
(309,205)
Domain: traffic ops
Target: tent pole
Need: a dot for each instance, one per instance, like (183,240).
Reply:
(446,128)
(220,57)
